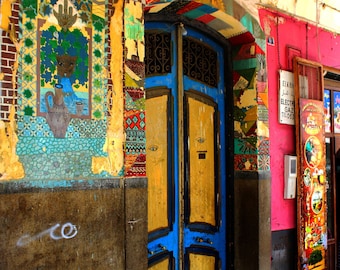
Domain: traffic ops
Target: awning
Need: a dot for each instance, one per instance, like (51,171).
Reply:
(218,20)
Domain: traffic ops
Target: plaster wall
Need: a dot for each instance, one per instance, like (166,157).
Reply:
(309,42)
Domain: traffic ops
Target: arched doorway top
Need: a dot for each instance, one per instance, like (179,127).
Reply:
(221,22)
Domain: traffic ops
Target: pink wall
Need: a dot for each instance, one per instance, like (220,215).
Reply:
(315,44)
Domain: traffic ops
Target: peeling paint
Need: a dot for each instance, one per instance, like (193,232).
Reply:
(10,166)
(134,30)
(262,129)
(5,13)
(18,45)
(237,127)
(115,138)
(272,19)
(247,99)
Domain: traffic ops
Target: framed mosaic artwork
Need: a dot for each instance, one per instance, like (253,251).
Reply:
(65,57)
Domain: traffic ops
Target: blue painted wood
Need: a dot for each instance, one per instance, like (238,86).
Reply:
(214,241)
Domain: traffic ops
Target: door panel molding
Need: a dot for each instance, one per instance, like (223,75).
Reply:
(159,103)
(202,258)
(204,169)
(162,261)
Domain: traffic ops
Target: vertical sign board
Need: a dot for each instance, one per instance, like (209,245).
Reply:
(286,98)
(313,227)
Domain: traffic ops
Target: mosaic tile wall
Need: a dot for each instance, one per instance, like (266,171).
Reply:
(44,154)
(251,145)
(134,120)
(86,132)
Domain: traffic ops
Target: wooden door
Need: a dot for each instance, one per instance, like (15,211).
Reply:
(186,149)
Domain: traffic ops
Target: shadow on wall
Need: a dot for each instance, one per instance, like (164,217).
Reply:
(284,250)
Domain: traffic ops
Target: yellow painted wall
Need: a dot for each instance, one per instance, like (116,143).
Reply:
(10,166)
(5,12)
(115,137)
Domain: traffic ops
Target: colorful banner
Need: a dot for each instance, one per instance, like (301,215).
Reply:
(312,188)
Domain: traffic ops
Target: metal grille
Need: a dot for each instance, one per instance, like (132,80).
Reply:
(158,53)
(200,62)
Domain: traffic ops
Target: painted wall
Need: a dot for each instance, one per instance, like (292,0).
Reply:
(72,142)
(313,44)
(325,12)
(93,127)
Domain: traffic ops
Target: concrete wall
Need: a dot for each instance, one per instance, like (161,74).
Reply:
(101,225)
(252,221)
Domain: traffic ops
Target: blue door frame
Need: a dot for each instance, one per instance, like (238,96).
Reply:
(181,237)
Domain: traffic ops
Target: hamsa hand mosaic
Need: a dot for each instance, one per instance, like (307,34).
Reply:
(64,57)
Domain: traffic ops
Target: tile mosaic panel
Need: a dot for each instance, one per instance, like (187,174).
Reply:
(73,54)
(135,143)
(84,33)
(134,93)
(247,145)
(29,126)
(82,39)
(251,142)
(44,161)
(263,162)
(245,162)
(263,148)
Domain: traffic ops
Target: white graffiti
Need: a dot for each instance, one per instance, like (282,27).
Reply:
(67,231)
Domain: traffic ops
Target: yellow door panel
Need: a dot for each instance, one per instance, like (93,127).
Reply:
(201,262)
(162,265)
(201,161)
(156,166)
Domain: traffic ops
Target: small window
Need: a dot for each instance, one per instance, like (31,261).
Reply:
(200,62)
(157,53)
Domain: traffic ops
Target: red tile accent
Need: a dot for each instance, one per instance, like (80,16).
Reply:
(205,18)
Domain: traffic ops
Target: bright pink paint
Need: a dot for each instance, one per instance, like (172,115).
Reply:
(316,45)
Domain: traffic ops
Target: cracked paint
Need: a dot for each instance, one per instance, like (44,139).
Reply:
(134,30)
(248,99)
(10,166)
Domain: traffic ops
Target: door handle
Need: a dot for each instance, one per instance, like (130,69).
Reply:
(203,240)
(159,248)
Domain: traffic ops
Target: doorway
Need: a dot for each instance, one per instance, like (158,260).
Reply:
(187,148)
(332,130)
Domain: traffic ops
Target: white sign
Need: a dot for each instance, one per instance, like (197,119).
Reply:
(286,98)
